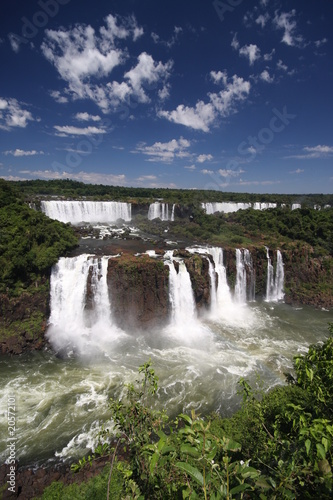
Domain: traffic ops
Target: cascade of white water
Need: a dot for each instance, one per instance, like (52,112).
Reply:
(295,206)
(74,324)
(158,211)
(183,309)
(240,286)
(263,206)
(87,211)
(226,207)
(173,213)
(274,285)
(221,299)
(251,275)
(279,277)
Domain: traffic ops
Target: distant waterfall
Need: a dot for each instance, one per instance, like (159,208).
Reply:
(80,308)
(159,211)
(295,206)
(87,211)
(229,207)
(263,206)
(181,296)
(274,286)
(226,207)
(173,213)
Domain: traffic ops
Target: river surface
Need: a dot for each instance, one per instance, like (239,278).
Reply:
(61,402)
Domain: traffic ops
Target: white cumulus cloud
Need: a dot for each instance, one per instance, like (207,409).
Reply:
(86,117)
(221,104)
(69,130)
(252,52)
(85,59)
(165,152)
(286,22)
(13,114)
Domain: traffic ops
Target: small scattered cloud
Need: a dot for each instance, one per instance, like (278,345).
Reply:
(146,178)
(266,77)
(13,114)
(252,52)
(165,152)
(207,172)
(297,171)
(191,167)
(269,55)
(21,152)
(319,43)
(262,19)
(58,97)
(204,157)
(311,152)
(286,22)
(230,173)
(258,183)
(235,42)
(69,130)
(281,66)
(177,31)
(164,93)
(86,117)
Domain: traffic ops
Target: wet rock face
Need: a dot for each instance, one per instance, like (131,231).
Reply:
(138,290)
(23,321)
(198,268)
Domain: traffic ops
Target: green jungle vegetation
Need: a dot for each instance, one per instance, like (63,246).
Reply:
(277,446)
(30,242)
(269,227)
(74,189)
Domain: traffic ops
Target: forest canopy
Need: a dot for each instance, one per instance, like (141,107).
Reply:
(30,242)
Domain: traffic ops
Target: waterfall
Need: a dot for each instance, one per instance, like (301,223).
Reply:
(173,213)
(80,318)
(295,206)
(251,289)
(183,308)
(263,206)
(87,211)
(226,207)
(221,299)
(223,294)
(158,211)
(240,286)
(274,285)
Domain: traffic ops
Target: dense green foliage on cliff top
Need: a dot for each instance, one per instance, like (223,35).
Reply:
(278,446)
(30,242)
(70,188)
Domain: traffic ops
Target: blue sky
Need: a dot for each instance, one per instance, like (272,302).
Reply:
(230,95)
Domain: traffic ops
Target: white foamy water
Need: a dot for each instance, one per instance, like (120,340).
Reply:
(61,402)
(87,211)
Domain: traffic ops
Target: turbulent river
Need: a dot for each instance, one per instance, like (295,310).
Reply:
(60,402)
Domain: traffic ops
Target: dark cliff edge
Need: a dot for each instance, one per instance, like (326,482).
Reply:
(138,289)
